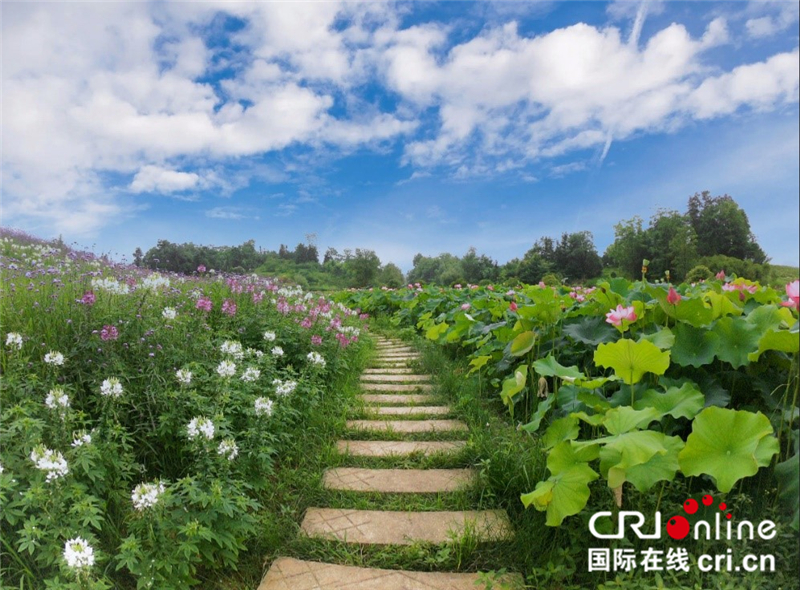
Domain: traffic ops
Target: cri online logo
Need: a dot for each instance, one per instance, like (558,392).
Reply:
(678,526)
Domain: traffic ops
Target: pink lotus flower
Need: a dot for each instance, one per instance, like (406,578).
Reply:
(204,303)
(465,306)
(410,286)
(542,285)
(616,316)
(673,297)
(721,275)
(512,306)
(490,287)
(457,286)
(793,293)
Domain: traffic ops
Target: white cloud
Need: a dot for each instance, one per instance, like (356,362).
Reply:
(233,213)
(761,86)
(780,15)
(162,180)
(91,89)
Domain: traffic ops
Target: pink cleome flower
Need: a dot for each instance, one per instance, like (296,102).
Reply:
(88,298)
(201,268)
(204,303)
(616,316)
(229,307)
(109,332)
(316,340)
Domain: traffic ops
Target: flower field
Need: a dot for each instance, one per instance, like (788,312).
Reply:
(630,386)
(143,414)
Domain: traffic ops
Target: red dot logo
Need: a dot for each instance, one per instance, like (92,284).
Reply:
(707,500)
(690,506)
(677,527)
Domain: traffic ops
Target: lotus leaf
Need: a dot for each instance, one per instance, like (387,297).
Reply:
(631,360)
(728,445)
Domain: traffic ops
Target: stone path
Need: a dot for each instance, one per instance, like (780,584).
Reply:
(393,389)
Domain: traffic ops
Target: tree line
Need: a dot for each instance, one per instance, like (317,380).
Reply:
(712,234)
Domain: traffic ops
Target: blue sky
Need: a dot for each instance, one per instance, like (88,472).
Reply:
(400,127)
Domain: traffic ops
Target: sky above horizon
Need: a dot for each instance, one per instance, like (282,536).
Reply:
(401,127)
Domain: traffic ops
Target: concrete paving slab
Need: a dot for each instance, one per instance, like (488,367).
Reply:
(378,527)
(397,448)
(398,481)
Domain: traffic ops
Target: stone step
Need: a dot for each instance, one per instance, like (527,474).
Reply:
(288,573)
(398,481)
(377,527)
(407,426)
(389,371)
(396,448)
(408,411)
(390,364)
(409,378)
(396,350)
(403,398)
(394,387)
(397,356)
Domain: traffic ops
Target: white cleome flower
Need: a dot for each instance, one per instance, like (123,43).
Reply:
(263,406)
(228,449)
(184,376)
(111,387)
(54,358)
(14,340)
(232,348)
(50,461)
(78,553)
(269,336)
(200,426)
(81,438)
(316,359)
(226,369)
(169,313)
(57,400)
(251,374)
(277,351)
(146,495)
(283,388)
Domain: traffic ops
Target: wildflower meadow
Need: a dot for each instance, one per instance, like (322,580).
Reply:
(143,414)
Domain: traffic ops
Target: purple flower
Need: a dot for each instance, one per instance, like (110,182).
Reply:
(229,307)
(109,332)
(316,340)
(88,298)
(204,303)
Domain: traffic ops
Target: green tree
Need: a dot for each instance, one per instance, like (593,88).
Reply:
(364,267)
(722,227)
(576,256)
(629,247)
(391,276)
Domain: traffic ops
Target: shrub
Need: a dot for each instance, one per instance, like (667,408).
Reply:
(699,273)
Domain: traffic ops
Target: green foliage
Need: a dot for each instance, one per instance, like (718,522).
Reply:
(698,273)
(634,392)
(728,445)
(117,322)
